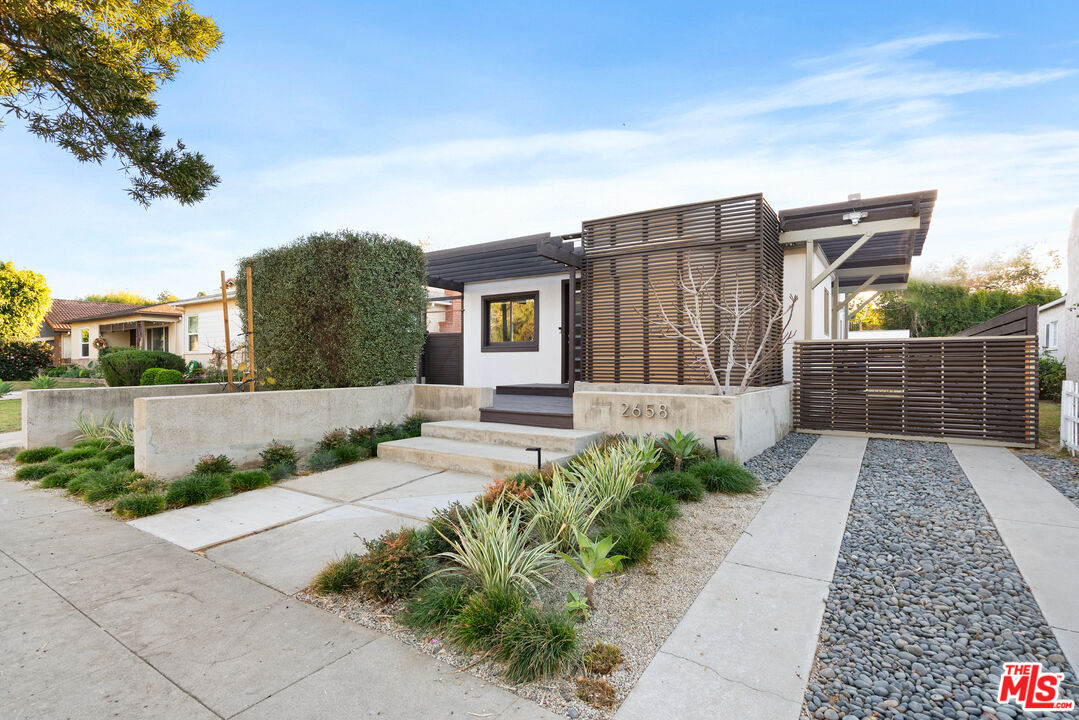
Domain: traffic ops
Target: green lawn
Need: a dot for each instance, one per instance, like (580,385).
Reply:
(10,415)
(1049,422)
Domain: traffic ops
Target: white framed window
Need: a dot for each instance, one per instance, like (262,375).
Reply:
(84,350)
(1051,335)
(157,338)
(193,333)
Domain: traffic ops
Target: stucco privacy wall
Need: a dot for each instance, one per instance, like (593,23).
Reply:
(172,433)
(48,416)
(753,421)
(451,402)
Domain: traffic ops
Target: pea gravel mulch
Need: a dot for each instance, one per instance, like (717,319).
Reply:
(926,604)
(636,611)
(1062,473)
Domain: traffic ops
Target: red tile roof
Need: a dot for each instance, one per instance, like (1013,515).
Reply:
(63,312)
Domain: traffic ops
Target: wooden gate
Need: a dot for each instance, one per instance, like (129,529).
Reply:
(443,359)
(962,388)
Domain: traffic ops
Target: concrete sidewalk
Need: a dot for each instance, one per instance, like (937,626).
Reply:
(1039,526)
(746,646)
(11,440)
(99,619)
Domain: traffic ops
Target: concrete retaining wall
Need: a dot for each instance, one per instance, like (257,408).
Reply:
(171,434)
(753,421)
(452,402)
(48,416)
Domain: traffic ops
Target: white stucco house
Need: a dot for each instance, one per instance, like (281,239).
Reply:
(1053,327)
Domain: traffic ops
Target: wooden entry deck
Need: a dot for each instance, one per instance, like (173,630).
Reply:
(548,406)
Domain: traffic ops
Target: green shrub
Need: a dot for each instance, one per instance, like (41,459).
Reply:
(479,623)
(42,382)
(679,485)
(98,444)
(149,376)
(393,564)
(23,360)
(168,376)
(1050,377)
(139,504)
(117,451)
(411,425)
(361,295)
(105,485)
(33,455)
(75,484)
(538,644)
(650,496)
(214,465)
(124,462)
(249,480)
(348,452)
(726,476)
(339,576)
(435,605)
(59,478)
(36,471)
(125,367)
(277,454)
(197,488)
(93,463)
(5,388)
(322,460)
(333,439)
(74,454)
(58,371)
(281,471)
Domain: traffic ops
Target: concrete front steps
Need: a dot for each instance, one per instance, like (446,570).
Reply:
(483,448)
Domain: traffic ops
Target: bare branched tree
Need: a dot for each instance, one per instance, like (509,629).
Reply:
(739,349)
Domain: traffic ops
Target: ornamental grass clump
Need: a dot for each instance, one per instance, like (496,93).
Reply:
(536,644)
(347,453)
(652,497)
(609,472)
(93,463)
(244,480)
(36,455)
(436,604)
(725,476)
(635,530)
(118,451)
(197,488)
(562,511)
(124,462)
(492,549)
(104,485)
(74,454)
(340,576)
(679,485)
(139,504)
(59,478)
(36,471)
(322,460)
(479,623)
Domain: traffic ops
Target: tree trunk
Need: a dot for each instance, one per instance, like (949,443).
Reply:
(588,593)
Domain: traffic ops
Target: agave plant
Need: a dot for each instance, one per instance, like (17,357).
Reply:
(490,546)
(594,562)
(681,446)
(563,509)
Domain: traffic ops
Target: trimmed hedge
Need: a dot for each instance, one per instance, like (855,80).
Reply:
(342,309)
(23,360)
(125,367)
(161,376)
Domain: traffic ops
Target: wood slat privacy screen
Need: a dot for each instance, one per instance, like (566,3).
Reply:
(629,259)
(1020,321)
(983,388)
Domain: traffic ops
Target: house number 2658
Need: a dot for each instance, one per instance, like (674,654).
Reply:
(648,411)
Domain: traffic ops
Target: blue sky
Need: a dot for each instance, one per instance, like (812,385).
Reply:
(450,123)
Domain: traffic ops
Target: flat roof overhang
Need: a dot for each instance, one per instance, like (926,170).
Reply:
(524,256)
(869,242)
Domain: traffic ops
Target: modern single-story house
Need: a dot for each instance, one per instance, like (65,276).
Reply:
(1053,327)
(521,325)
(192,328)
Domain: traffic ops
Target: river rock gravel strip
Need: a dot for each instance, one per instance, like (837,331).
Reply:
(1061,473)
(926,603)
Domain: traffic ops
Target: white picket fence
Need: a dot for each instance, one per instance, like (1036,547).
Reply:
(1069,416)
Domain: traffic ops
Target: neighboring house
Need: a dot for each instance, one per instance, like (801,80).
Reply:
(1053,327)
(521,324)
(443,311)
(192,328)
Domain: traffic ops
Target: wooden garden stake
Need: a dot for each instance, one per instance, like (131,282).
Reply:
(250,332)
(228,347)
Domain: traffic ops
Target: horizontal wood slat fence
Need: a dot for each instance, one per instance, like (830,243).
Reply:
(1021,321)
(962,388)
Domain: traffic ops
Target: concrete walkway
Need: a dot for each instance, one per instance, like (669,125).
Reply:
(11,440)
(746,646)
(283,535)
(1039,526)
(99,619)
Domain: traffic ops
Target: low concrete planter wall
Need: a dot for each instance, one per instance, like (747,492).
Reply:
(452,402)
(753,421)
(48,416)
(172,433)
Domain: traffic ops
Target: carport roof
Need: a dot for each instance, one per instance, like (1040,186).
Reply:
(898,225)
(523,256)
